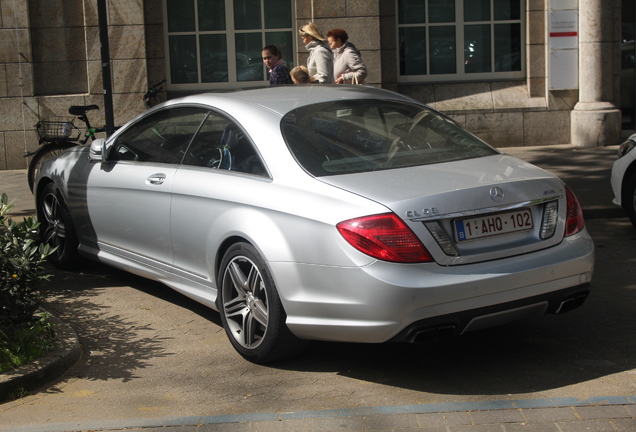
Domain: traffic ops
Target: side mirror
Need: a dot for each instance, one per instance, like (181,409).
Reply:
(98,150)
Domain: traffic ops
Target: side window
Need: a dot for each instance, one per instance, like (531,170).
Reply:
(221,144)
(162,137)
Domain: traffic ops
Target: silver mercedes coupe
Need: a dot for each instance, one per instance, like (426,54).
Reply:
(339,213)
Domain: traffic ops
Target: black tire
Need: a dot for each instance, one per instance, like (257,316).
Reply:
(45,152)
(629,199)
(56,228)
(251,310)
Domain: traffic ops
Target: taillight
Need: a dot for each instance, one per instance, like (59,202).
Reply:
(385,237)
(574,217)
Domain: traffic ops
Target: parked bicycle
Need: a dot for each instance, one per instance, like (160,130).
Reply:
(153,94)
(60,133)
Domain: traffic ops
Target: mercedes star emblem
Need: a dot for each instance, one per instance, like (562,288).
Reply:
(496,194)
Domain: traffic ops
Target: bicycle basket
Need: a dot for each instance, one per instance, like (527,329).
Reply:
(57,129)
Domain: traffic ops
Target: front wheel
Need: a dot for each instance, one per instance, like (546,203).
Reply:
(45,152)
(251,310)
(629,199)
(56,228)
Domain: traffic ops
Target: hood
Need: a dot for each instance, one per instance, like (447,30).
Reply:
(347,46)
(315,44)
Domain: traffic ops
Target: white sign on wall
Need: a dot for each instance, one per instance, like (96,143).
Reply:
(564,69)
(563,29)
(563,44)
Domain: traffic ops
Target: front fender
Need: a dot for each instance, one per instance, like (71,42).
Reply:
(67,172)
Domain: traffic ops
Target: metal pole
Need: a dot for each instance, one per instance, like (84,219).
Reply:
(105,56)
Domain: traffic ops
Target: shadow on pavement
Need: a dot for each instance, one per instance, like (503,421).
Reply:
(114,345)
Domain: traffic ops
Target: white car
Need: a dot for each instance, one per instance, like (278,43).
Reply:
(341,213)
(624,178)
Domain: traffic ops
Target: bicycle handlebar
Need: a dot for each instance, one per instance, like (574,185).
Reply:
(154,89)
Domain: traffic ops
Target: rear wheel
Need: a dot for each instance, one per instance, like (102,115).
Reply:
(56,228)
(629,199)
(48,151)
(251,310)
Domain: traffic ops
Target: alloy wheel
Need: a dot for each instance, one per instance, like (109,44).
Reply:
(245,302)
(54,227)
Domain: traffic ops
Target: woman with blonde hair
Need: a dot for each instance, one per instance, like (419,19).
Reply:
(347,64)
(320,61)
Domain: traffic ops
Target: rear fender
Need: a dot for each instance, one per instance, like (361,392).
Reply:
(282,238)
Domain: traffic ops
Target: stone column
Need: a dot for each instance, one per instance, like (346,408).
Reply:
(595,119)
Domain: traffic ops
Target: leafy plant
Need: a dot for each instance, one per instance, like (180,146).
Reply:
(21,268)
(24,343)
(23,335)
(18,394)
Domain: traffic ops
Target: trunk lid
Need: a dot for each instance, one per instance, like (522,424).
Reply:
(471,210)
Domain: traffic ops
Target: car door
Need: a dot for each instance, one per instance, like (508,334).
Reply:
(128,195)
(221,162)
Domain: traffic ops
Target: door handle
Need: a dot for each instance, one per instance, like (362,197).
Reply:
(156,179)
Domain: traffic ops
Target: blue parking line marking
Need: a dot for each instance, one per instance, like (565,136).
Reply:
(348,412)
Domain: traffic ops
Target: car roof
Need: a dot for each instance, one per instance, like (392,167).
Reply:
(282,99)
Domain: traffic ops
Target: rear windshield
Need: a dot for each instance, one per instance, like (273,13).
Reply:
(353,136)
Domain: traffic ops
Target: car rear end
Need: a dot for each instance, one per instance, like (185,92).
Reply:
(471,238)
(451,261)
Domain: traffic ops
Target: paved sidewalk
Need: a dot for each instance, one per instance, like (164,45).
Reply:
(536,415)
(14,184)
(586,171)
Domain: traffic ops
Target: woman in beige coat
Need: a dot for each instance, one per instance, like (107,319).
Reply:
(320,61)
(347,63)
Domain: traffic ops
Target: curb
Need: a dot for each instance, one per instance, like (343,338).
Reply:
(45,368)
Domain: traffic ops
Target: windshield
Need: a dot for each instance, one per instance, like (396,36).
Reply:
(353,136)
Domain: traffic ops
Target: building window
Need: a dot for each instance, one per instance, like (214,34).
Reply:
(460,40)
(217,43)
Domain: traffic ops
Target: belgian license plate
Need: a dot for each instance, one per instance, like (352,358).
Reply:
(486,226)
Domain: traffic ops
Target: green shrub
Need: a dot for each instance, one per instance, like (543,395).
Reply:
(21,269)
(21,344)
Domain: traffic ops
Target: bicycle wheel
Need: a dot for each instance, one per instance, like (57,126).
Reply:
(45,152)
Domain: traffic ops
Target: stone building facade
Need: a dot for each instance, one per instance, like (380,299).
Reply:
(50,59)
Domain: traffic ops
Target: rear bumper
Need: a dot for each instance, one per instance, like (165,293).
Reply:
(448,326)
(385,301)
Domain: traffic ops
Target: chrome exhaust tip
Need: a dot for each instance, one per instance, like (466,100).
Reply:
(571,303)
